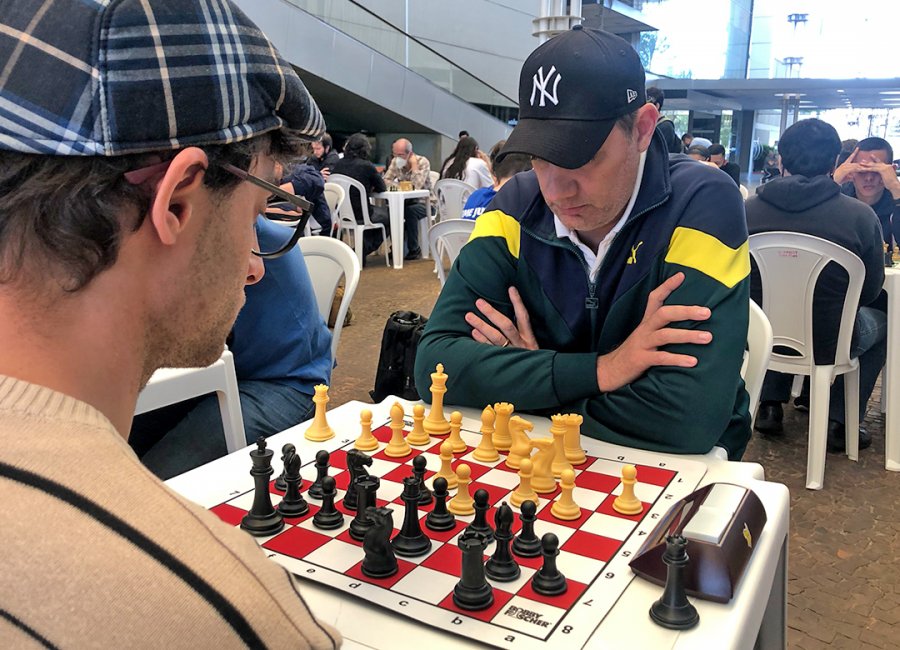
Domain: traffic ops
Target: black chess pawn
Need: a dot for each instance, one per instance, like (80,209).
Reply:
(549,581)
(473,591)
(440,518)
(293,504)
(673,610)
(527,544)
(262,519)
(322,460)
(418,464)
(380,561)
(357,462)
(286,452)
(411,541)
(502,566)
(328,517)
(479,521)
(366,488)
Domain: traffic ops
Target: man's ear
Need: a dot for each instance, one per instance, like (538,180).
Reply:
(645,125)
(177,193)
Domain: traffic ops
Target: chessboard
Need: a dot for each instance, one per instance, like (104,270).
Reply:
(594,549)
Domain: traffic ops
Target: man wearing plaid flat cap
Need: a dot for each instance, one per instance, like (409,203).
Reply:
(612,280)
(138,140)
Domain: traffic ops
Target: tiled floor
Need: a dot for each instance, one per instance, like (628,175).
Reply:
(844,576)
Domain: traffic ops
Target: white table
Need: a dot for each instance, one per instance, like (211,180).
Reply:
(395,202)
(756,615)
(891,380)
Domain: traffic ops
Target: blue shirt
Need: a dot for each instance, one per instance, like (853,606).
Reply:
(279,335)
(477,202)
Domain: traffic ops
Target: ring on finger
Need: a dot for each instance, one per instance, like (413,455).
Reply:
(505,343)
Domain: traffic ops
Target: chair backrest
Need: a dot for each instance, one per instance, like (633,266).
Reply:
(451,196)
(334,196)
(789,266)
(744,192)
(434,176)
(759,349)
(348,219)
(448,237)
(328,260)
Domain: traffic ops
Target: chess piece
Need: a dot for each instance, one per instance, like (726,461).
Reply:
(411,541)
(319,431)
(418,436)
(574,452)
(527,544)
(322,460)
(328,517)
(502,566)
(524,492)
(366,441)
(473,591)
(480,523)
(521,443)
(455,439)
(558,431)
(262,519)
(673,610)
(397,447)
(436,424)
(366,487)
(542,480)
(502,437)
(357,462)
(627,503)
(485,451)
(549,581)
(446,472)
(380,561)
(419,463)
(286,453)
(293,504)
(440,518)
(564,507)
(462,503)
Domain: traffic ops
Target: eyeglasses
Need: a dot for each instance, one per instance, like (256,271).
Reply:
(290,221)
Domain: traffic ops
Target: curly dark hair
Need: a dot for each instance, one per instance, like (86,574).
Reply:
(66,214)
(357,146)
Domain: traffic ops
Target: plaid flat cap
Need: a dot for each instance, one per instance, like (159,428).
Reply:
(110,77)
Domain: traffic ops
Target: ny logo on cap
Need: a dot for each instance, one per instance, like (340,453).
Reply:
(540,85)
(631,95)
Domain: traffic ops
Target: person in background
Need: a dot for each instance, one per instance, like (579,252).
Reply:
(407,166)
(356,165)
(717,157)
(467,166)
(324,157)
(686,140)
(698,152)
(303,180)
(664,124)
(847,147)
(462,134)
(502,172)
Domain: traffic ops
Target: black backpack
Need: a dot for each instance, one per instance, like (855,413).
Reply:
(397,359)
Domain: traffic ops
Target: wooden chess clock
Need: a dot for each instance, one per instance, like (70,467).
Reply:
(722,523)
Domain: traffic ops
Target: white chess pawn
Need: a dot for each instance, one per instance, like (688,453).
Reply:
(446,471)
(397,447)
(627,503)
(462,503)
(455,440)
(485,451)
(524,492)
(565,507)
(418,436)
(366,441)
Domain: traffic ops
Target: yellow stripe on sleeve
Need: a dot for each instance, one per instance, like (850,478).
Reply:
(703,252)
(498,224)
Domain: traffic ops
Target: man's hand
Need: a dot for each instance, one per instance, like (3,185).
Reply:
(326,172)
(412,161)
(640,351)
(846,169)
(501,331)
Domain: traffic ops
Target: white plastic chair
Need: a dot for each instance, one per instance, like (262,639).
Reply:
(789,265)
(448,238)
(451,196)
(756,359)
(174,385)
(744,192)
(348,219)
(329,260)
(334,196)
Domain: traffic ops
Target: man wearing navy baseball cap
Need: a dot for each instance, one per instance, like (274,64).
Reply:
(138,140)
(611,281)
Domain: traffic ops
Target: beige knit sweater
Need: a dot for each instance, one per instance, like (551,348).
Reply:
(95,552)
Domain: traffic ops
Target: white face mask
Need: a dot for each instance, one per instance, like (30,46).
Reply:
(399,162)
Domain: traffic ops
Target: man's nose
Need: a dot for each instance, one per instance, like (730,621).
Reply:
(255,270)
(557,183)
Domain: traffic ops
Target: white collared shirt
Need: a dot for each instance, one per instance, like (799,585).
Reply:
(595,258)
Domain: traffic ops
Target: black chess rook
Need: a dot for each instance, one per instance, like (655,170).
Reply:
(322,460)
(366,487)
(262,519)
(673,610)
(473,591)
(411,541)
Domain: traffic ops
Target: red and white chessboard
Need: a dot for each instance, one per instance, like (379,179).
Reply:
(594,549)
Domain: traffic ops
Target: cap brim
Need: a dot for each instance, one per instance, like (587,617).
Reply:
(565,143)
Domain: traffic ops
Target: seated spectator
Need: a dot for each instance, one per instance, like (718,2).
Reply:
(324,158)
(806,200)
(686,140)
(282,350)
(701,142)
(717,156)
(502,171)
(467,166)
(407,166)
(664,124)
(698,152)
(356,165)
(303,180)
